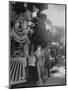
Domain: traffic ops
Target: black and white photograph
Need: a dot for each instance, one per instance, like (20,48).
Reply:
(37,44)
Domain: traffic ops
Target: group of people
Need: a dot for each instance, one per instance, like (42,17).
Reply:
(41,60)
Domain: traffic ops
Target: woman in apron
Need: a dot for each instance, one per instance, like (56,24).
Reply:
(40,57)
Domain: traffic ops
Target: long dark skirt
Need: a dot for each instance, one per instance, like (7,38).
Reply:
(32,74)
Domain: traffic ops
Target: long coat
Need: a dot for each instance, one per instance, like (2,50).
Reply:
(43,64)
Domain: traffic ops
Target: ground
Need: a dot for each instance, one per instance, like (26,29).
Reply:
(57,77)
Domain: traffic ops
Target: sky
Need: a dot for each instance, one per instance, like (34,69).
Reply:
(56,13)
